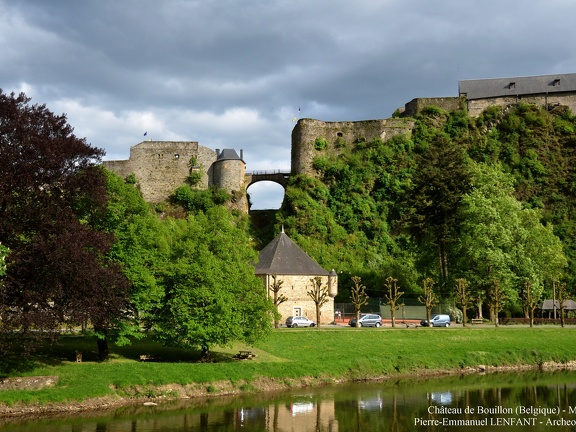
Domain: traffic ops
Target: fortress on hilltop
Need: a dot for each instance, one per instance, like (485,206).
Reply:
(160,167)
(477,95)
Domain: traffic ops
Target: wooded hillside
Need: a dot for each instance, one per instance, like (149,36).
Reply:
(487,199)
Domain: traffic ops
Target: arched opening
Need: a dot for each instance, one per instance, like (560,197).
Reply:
(265,195)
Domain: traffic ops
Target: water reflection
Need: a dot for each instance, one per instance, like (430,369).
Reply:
(534,402)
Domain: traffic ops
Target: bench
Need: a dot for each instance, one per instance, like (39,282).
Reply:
(244,355)
(477,321)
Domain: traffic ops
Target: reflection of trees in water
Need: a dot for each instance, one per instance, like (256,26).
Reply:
(368,407)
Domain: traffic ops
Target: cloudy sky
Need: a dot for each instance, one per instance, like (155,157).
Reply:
(233,73)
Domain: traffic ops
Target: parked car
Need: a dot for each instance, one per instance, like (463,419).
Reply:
(299,321)
(367,320)
(437,321)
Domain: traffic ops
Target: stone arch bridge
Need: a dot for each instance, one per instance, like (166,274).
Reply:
(276,176)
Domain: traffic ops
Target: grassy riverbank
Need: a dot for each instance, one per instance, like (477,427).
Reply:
(290,357)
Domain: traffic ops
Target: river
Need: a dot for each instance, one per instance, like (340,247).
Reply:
(535,401)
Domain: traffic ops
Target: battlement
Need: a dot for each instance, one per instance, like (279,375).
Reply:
(161,167)
(336,135)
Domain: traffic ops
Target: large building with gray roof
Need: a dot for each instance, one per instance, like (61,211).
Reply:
(544,90)
(478,94)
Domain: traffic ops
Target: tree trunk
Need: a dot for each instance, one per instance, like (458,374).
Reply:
(103,351)
(443,261)
(205,355)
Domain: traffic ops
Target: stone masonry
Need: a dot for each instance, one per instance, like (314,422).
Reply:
(307,131)
(160,167)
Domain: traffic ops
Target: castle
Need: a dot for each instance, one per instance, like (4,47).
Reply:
(477,95)
(161,167)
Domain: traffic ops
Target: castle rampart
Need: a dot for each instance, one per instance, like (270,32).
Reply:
(161,167)
(543,90)
(415,106)
(476,106)
(336,135)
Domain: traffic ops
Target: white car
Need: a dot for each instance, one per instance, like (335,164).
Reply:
(299,321)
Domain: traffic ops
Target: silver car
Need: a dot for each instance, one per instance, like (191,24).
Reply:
(299,321)
(367,320)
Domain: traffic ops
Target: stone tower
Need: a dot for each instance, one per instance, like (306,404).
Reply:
(335,135)
(228,173)
(161,167)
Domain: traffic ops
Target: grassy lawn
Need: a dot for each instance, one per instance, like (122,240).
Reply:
(289,354)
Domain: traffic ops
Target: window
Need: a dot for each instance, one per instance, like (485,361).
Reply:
(297,311)
(512,85)
(556,82)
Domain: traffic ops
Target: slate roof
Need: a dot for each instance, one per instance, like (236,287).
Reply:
(548,305)
(284,257)
(517,86)
(228,154)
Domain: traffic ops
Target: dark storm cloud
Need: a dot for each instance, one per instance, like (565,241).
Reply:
(231,73)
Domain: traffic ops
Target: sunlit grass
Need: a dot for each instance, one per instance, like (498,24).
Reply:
(287,355)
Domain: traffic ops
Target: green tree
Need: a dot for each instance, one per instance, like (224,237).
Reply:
(319,295)
(562,295)
(463,297)
(496,298)
(392,294)
(530,299)
(141,247)
(502,240)
(278,298)
(429,298)
(358,297)
(435,199)
(211,295)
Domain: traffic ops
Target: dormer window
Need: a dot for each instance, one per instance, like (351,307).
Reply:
(512,85)
(556,82)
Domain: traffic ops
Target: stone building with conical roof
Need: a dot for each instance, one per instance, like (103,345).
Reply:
(291,265)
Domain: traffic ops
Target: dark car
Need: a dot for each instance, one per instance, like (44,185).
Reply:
(367,320)
(299,321)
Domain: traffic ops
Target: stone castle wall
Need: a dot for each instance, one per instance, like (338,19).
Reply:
(476,106)
(415,106)
(338,134)
(161,167)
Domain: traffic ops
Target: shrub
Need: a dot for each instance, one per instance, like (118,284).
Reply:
(131,179)
(340,142)
(320,144)
(194,178)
